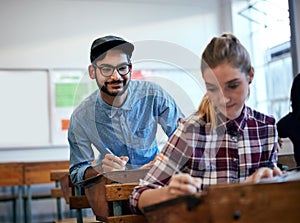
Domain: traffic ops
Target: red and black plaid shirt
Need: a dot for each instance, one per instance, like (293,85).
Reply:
(228,154)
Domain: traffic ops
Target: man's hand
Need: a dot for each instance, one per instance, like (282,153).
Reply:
(112,162)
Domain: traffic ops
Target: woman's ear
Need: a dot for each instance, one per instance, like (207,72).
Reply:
(92,71)
(251,75)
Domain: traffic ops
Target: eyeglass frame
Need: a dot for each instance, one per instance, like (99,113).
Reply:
(114,68)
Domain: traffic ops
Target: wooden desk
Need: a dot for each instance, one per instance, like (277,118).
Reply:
(268,203)
(38,173)
(11,174)
(24,175)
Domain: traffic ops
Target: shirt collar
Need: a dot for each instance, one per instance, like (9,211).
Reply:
(111,111)
(238,124)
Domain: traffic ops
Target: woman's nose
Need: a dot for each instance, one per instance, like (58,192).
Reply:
(226,99)
(223,98)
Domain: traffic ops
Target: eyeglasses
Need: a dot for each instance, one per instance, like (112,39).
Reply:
(108,70)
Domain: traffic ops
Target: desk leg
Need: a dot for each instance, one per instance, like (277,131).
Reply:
(19,205)
(58,203)
(15,205)
(27,205)
(78,211)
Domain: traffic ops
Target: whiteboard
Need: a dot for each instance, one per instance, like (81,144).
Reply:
(24,115)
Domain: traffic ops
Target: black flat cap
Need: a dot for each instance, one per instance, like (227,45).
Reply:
(103,44)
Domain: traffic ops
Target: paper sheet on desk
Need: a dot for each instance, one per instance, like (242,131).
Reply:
(289,176)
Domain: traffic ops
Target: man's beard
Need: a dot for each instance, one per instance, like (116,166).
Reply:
(114,94)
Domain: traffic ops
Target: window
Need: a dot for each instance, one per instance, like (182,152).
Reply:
(263,27)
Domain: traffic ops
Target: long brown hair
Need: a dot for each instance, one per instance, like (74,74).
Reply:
(206,111)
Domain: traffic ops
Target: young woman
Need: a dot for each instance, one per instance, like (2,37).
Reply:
(234,143)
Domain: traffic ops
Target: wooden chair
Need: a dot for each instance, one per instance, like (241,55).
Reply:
(287,161)
(11,175)
(38,173)
(108,195)
(57,191)
(73,196)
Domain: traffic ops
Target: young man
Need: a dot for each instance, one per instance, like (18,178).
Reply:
(120,118)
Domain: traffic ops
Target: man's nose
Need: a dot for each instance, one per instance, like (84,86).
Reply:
(115,75)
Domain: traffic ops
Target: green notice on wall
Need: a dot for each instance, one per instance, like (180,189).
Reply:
(69,94)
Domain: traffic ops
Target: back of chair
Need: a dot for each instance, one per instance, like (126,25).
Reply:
(57,177)
(108,195)
(72,196)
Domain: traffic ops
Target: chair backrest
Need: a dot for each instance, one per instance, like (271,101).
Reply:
(287,160)
(68,190)
(108,195)
(77,199)
(57,176)
(11,173)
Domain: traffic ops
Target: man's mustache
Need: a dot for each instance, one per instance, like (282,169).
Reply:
(114,82)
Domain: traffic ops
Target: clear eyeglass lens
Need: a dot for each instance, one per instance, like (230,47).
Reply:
(122,70)
(108,71)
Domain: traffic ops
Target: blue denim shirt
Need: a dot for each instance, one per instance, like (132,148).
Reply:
(129,130)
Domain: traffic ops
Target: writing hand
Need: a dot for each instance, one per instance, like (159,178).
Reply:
(112,162)
(183,184)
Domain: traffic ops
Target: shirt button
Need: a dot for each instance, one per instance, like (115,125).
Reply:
(234,159)
(234,138)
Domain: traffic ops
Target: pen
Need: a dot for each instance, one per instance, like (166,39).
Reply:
(106,148)
(110,152)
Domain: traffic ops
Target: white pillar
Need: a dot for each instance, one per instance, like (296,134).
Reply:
(294,10)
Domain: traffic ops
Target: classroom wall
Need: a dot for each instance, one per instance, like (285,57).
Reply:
(57,34)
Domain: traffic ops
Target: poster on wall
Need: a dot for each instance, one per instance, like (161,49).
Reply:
(69,88)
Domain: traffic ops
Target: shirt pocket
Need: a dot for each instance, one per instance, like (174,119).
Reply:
(144,137)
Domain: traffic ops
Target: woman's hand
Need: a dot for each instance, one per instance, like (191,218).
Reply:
(112,162)
(263,172)
(182,184)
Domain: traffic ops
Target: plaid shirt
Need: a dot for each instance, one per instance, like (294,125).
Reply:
(230,153)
